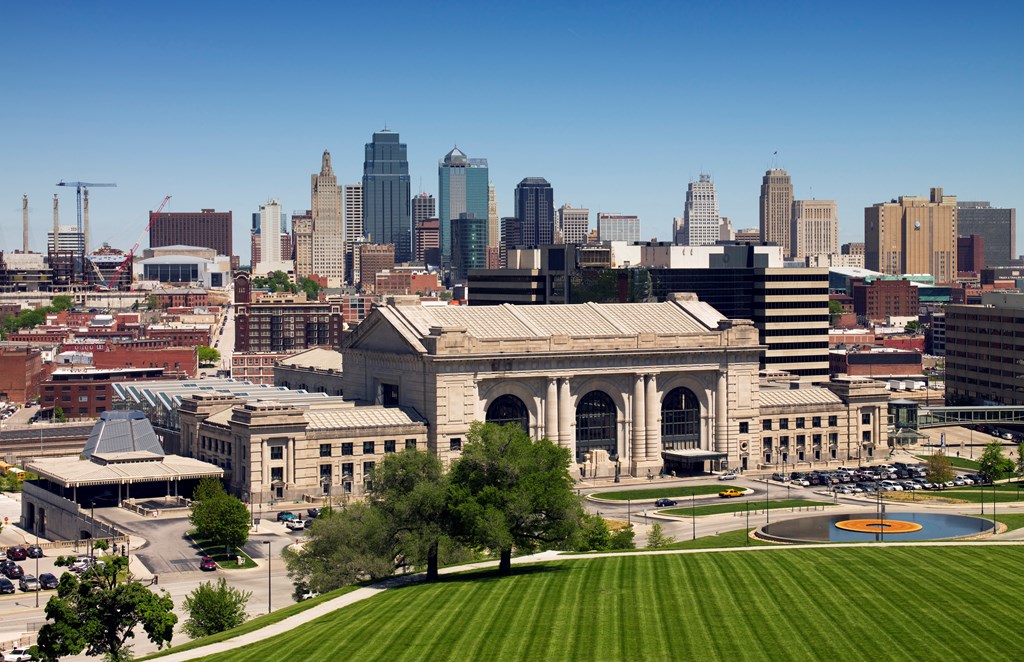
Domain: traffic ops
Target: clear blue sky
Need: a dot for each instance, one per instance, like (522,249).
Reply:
(619,106)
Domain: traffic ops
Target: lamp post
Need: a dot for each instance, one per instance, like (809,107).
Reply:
(693,513)
(92,529)
(629,513)
(746,531)
(269,589)
(766,500)
(37,564)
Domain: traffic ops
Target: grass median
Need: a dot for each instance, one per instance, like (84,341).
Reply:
(660,493)
(740,506)
(224,559)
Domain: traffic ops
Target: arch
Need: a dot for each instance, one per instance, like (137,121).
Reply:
(506,409)
(525,390)
(597,425)
(680,419)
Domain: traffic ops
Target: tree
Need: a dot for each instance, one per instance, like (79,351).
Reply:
(99,611)
(657,537)
(913,327)
(1020,460)
(207,488)
(835,309)
(410,490)
(939,469)
(214,608)
(993,463)
(510,492)
(221,518)
(592,534)
(61,302)
(311,288)
(207,354)
(58,415)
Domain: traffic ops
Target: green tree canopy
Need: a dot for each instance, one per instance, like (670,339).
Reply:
(207,354)
(61,302)
(99,611)
(993,463)
(835,309)
(510,492)
(214,608)
(938,468)
(220,518)
(310,287)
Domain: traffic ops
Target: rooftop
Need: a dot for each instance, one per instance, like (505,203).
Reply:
(317,358)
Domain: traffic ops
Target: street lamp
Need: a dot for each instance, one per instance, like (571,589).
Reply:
(269,590)
(325,485)
(92,529)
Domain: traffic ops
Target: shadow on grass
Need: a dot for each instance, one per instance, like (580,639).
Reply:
(472,576)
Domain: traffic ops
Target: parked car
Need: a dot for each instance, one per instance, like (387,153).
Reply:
(17,553)
(845,490)
(730,492)
(6,586)
(800,482)
(295,524)
(664,503)
(959,482)
(35,552)
(967,479)
(18,655)
(728,475)
(207,564)
(28,583)
(12,570)
(286,515)
(48,581)
(313,512)
(780,477)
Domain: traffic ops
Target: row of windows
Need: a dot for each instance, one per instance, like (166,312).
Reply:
(369,447)
(800,422)
(761,319)
(801,441)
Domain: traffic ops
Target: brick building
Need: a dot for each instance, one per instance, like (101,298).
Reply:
(176,362)
(172,297)
(87,392)
(875,362)
(206,228)
(181,336)
(287,324)
(20,372)
(374,258)
(882,299)
(970,254)
(256,367)
(405,282)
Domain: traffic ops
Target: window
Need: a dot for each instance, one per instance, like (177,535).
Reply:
(325,450)
(766,424)
(347,469)
(816,440)
(865,418)
(455,444)
(277,452)
(389,446)
(833,439)
(744,427)
(368,474)
(833,421)
(766,443)
(325,472)
(783,423)
(410,443)
(276,474)
(369,448)
(816,422)
(83,398)
(800,423)
(866,437)
(801,440)
(346,448)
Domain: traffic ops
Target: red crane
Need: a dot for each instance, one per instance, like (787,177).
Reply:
(131,253)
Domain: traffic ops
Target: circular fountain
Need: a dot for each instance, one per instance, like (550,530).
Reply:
(854,527)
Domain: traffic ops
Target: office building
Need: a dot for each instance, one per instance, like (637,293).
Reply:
(852,248)
(493,222)
(701,218)
(462,188)
(283,323)
(970,253)
(427,235)
(386,194)
(511,238)
(352,197)
(776,208)
(374,258)
(302,243)
(573,225)
(881,299)
(997,226)
(618,227)
(984,352)
(69,240)
(469,245)
(270,258)
(748,235)
(914,235)
(535,209)
(328,228)
(423,207)
(815,228)
(206,228)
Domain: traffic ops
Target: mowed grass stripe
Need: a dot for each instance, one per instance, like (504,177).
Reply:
(863,603)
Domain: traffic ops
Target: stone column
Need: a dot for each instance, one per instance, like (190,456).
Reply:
(551,411)
(565,418)
(265,464)
(653,419)
(638,439)
(721,413)
(291,463)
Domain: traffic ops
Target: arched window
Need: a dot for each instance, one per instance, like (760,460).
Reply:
(508,409)
(596,425)
(680,420)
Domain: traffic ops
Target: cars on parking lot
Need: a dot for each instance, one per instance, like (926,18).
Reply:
(730,492)
(728,475)
(17,553)
(35,552)
(48,581)
(11,570)
(295,524)
(6,585)
(313,513)
(207,564)
(286,515)
(800,482)
(780,477)
(664,503)
(18,655)
(28,583)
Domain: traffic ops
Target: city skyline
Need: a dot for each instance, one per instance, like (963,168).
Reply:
(141,124)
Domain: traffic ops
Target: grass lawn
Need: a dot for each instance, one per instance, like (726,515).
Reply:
(951,496)
(1011,520)
(216,552)
(659,493)
(732,506)
(958,462)
(254,624)
(763,605)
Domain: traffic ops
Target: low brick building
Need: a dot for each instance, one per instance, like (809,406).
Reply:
(881,299)
(169,297)
(87,392)
(175,361)
(875,362)
(182,336)
(21,369)
(256,367)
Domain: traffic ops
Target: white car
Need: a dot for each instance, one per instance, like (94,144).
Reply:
(728,475)
(295,524)
(18,655)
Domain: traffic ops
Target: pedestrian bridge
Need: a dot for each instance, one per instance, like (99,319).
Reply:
(930,417)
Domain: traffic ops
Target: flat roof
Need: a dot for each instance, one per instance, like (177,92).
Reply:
(73,471)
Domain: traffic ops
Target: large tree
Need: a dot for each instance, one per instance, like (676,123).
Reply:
(99,611)
(218,517)
(993,463)
(410,490)
(938,468)
(214,608)
(510,492)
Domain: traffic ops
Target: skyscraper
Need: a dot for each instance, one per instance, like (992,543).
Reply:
(701,218)
(815,228)
(535,209)
(352,216)
(462,188)
(997,226)
(617,227)
(302,241)
(206,229)
(386,193)
(573,224)
(270,258)
(916,235)
(511,237)
(469,245)
(493,223)
(328,230)
(777,209)
(423,207)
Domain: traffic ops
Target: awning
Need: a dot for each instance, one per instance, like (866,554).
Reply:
(693,455)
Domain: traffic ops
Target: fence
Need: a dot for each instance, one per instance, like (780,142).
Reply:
(797,509)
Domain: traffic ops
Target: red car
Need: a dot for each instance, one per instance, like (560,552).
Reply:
(207,564)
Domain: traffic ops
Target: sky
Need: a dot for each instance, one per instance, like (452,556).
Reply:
(618,105)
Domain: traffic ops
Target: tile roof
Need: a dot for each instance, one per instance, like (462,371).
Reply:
(361,417)
(317,358)
(72,471)
(783,397)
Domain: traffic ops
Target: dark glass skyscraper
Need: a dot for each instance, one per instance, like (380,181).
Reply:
(462,188)
(535,209)
(386,193)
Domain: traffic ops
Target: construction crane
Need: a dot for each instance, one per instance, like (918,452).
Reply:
(83,233)
(131,253)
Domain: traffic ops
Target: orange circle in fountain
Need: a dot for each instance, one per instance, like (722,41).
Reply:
(879,526)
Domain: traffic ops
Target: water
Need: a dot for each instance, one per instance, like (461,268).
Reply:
(822,528)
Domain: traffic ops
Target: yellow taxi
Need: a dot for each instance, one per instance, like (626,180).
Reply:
(729,493)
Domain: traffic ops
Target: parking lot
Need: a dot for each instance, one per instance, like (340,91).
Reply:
(896,477)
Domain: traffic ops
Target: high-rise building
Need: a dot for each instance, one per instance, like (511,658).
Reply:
(915,235)
(617,227)
(997,226)
(374,258)
(386,193)
(352,195)
(270,257)
(69,240)
(701,218)
(535,209)
(493,223)
(815,228)
(725,231)
(984,366)
(970,254)
(462,188)
(423,207)
(205,229)
(776,209)
(469,245)
(427,235)
(302,242)
(328,230)
(573,224)
(511,237)
(852,248)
